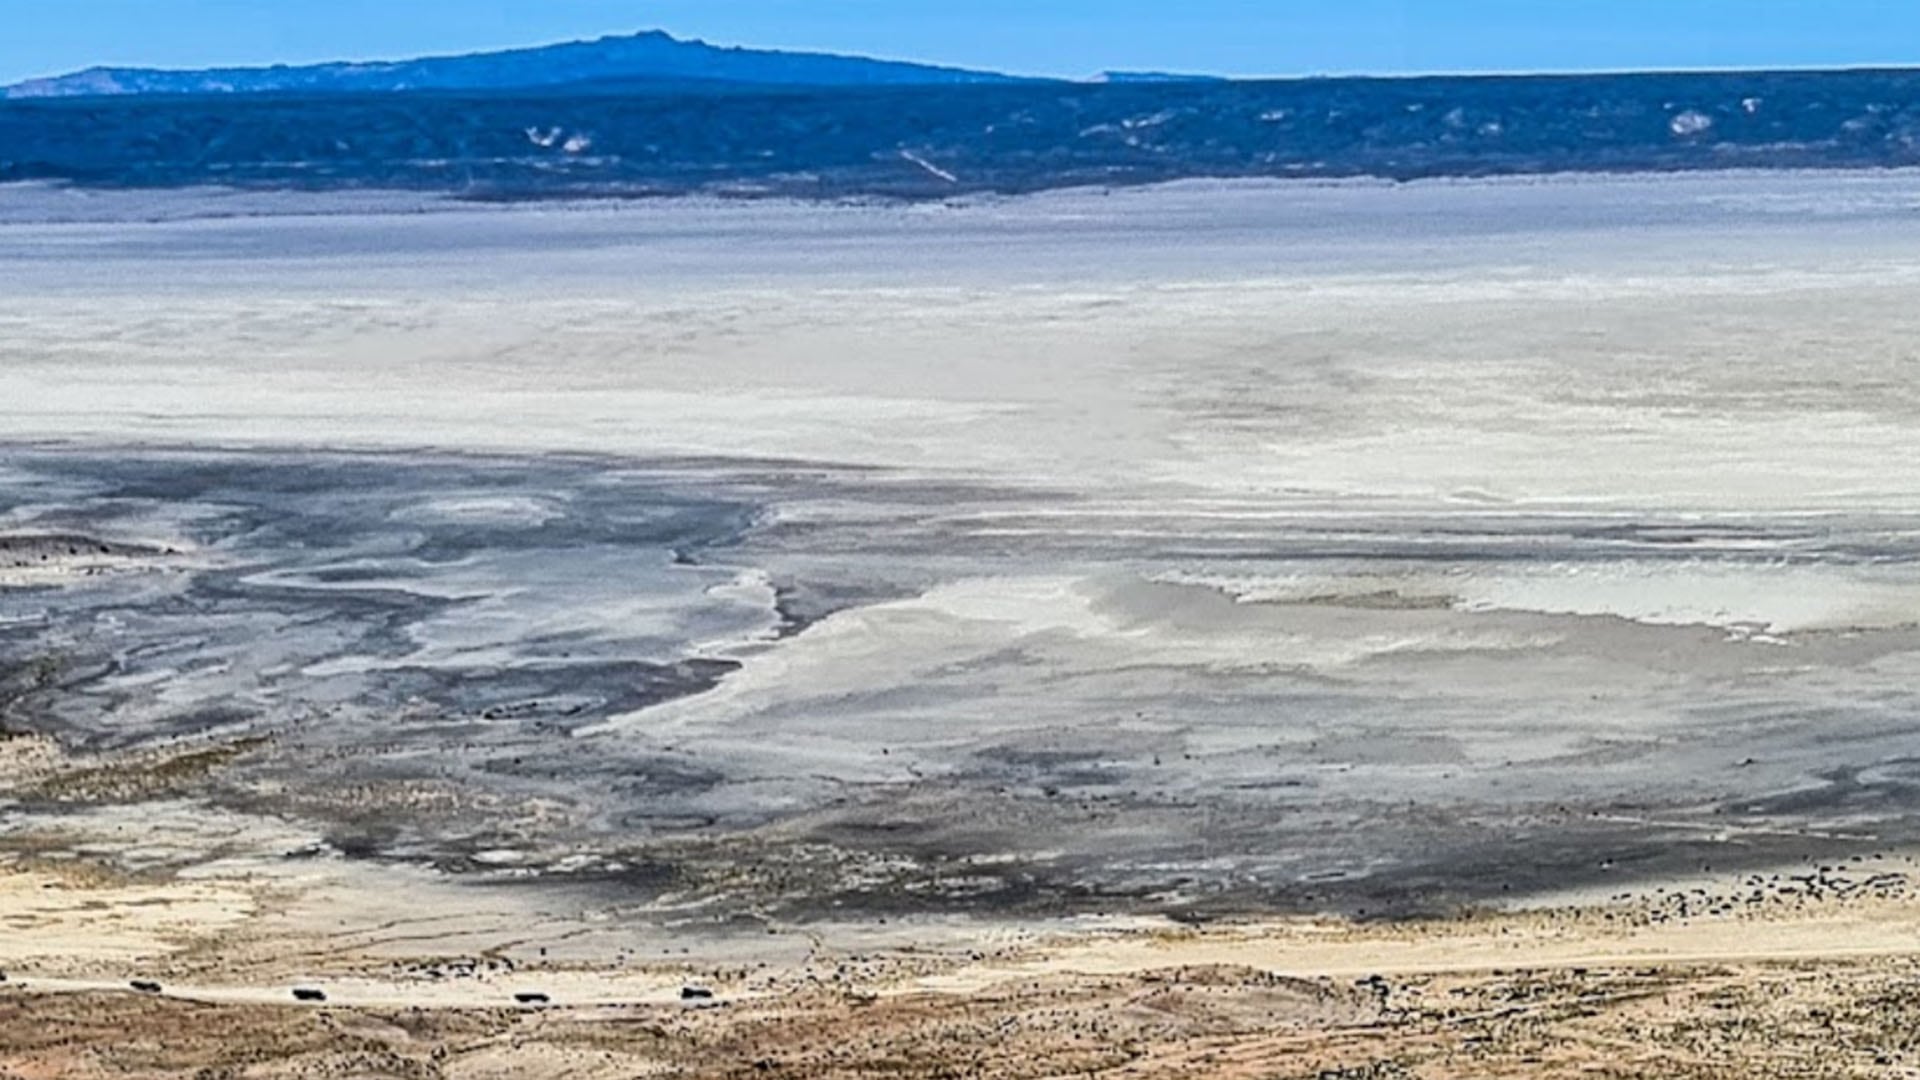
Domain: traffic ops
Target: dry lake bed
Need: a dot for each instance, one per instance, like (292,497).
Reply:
(1444,629)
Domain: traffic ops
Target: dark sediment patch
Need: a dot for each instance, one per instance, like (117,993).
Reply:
(407,632)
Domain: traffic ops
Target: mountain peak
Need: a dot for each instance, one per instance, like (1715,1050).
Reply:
(645,55)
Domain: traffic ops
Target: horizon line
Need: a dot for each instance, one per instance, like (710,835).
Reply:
(1350,73)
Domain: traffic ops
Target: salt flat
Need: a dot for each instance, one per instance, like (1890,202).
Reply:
(1215,548)
(1693,342)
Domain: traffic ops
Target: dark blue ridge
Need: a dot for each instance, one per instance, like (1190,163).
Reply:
(621,137)
(653,55)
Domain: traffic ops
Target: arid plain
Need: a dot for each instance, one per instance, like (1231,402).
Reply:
(1443,629)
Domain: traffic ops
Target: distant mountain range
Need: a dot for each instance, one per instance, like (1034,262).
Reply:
(653,56)
(631,137)
(651,115)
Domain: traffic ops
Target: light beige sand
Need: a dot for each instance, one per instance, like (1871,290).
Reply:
(1560,993)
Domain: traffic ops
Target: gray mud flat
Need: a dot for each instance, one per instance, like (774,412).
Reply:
(811,692)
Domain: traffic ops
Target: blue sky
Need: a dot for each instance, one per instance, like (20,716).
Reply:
(1065,37)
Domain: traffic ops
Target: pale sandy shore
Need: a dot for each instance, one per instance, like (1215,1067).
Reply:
(1248,630)
(1805,974)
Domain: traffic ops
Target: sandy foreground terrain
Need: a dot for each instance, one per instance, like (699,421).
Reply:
(1248,630)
